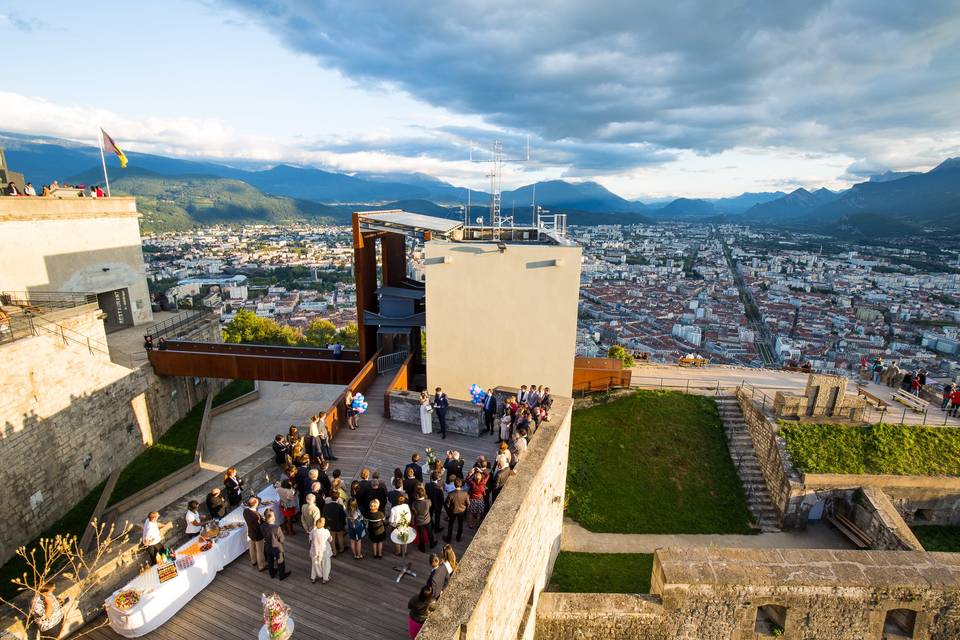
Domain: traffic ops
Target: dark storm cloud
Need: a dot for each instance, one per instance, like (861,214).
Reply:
(625,79)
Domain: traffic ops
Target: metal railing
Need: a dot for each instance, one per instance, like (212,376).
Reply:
(47,299)
(177,322)
(391,361)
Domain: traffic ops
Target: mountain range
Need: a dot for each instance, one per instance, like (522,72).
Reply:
(175,193)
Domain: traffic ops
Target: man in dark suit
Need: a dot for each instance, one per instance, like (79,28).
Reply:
(410,483)
(254,533)
(453,465)
(438,575)
(273,540)
(216,505)
(457,503)
(415,465)
(363,496)
(440,404)
(435,495)
(324,479)
(489,410)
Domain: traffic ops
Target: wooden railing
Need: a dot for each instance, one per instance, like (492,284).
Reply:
(599,374)
(337,411)
(400,382)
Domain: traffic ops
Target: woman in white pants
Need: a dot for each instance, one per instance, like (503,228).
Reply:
(321,550)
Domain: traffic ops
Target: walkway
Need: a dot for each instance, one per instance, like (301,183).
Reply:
(362,601)
(817,536)
(243,431)
(705,379)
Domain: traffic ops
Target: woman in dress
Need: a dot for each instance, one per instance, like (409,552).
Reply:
(420,605)
(356,529)
(426,414)
(46,612)
(288,506)
(476,488)
(233,486)
(351,412)
(400,516)
(377,527)
(449,557)
(506,420)
(321,550)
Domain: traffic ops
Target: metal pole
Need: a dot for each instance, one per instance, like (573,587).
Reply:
(903,417)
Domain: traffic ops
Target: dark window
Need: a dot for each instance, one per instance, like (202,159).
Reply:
(771,620)
(899,623)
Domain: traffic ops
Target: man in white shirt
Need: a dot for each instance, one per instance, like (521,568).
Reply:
(151,540)
(194,524)
(522,396)
(29,190)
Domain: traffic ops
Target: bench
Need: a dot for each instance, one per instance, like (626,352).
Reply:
(911,401)
(852,531)
(879,402)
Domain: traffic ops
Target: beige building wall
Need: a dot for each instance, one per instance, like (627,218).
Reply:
(503,319)
(76,244)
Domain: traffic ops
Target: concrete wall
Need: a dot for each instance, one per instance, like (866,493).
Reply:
(78,244)
(714,594)
(70,416)
(462,416)
(511,316)
(873,513)
(495,592)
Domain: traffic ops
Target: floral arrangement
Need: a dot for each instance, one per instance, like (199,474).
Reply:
(403,529)
(431,456)
(126,599)
(275,615)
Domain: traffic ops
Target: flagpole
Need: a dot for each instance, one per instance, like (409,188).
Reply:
(103,161)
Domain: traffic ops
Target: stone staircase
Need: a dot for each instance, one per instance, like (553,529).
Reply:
(745,461)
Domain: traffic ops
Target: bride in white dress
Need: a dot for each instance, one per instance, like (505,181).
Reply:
(426,413)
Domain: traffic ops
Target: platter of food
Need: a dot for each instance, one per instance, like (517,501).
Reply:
(126,599)
(232,526)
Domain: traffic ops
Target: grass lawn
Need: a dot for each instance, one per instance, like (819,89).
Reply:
(874,449)
(173,451)
(73,522)
(654,462)
(232,391)
(938,538)
(602,572)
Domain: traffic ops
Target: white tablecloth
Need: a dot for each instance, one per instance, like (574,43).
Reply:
(159,602)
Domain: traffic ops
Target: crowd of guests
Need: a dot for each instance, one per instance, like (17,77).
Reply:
(433,500)
(84,190)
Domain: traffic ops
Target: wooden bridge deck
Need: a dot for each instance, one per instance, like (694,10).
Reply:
(362,601)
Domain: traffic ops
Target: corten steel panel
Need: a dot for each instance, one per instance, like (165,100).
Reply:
(258,350)
(365,276)
(253,367)
(393,253)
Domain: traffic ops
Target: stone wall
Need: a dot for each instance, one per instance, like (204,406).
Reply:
(873,513)
(462,416)
(70,416)
(496,590)
(825,396)
(714,594)
(774,461)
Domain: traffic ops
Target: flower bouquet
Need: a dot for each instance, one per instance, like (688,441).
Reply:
(275,616)
(431,456)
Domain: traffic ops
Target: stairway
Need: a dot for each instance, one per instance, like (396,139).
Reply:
(745,461)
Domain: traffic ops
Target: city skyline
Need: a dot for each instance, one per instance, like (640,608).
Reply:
(766,99)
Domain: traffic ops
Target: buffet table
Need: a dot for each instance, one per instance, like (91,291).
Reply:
(160,601)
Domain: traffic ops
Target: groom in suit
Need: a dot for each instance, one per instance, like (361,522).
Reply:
(440,404)
(489,410)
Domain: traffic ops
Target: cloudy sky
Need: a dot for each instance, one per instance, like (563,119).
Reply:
(651,99)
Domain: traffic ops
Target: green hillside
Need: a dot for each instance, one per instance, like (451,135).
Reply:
(171,203)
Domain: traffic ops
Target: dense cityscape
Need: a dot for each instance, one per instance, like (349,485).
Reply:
(733,294)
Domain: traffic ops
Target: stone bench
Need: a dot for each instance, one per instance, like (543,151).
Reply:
(911,401)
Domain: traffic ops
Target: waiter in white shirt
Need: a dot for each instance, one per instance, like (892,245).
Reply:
(151,539)
(194,523)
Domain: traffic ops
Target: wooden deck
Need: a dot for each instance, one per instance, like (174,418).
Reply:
(362,601)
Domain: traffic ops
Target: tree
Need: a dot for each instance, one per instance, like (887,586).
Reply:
(320,333)
(59,562)
(349,336)
(619,353)
(249,328)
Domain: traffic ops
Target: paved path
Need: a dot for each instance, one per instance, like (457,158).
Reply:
(817,536)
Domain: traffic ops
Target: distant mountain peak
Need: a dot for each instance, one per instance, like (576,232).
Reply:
(948,164)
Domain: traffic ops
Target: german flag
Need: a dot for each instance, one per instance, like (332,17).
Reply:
(110,145)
